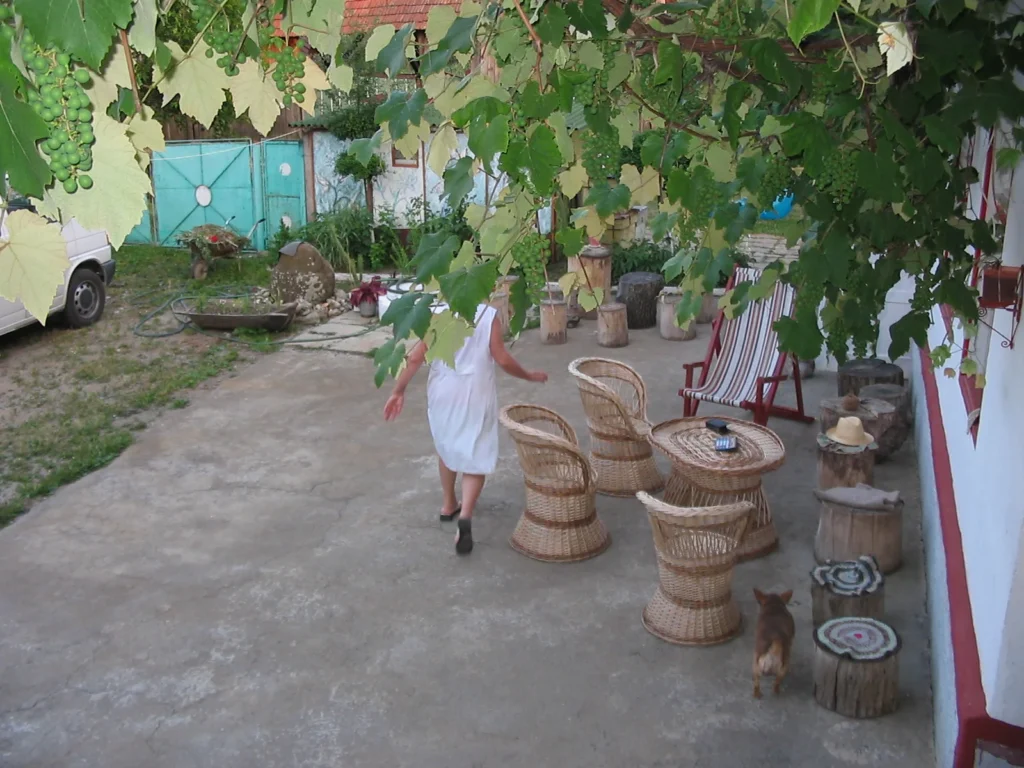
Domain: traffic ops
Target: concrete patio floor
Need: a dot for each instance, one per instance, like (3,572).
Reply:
(262,581)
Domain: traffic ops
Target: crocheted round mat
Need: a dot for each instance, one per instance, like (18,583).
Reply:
(859,639)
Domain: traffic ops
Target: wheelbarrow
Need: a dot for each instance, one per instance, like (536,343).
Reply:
(209,242)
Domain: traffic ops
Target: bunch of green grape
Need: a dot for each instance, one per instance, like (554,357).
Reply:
(777,181)
(289,67)
(58,97)
(689,103)
(838,177)
(6,22)
(602,155)
(224,41)
(584,93)
(531,255)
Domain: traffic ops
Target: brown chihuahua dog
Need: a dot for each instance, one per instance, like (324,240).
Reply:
(773,639)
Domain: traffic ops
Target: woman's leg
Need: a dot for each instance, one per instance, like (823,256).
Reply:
(447,488)
(472,485)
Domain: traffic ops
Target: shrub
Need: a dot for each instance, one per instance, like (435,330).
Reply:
(643,256)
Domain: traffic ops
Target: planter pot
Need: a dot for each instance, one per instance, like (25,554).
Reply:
(1000,287)
(667,305)
(276,320)
(708,308)
(554,319)
(367,308)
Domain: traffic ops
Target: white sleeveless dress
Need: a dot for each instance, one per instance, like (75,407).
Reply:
(462,403)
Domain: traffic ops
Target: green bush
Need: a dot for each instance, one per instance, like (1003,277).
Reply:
(639,257)
(347,165)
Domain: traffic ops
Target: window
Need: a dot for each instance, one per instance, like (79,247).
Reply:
(398,160)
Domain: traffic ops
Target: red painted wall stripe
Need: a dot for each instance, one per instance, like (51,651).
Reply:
(972,714)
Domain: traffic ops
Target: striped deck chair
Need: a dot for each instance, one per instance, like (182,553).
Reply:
(743,367)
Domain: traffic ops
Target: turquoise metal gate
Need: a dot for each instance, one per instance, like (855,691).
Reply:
(218,182)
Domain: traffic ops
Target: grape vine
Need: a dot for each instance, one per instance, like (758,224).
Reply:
(531,255)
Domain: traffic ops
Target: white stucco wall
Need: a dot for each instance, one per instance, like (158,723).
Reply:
(988,482)
(943,674)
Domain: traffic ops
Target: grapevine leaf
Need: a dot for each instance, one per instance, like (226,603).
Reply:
(341,76)
(417,135)
(572,180)
(537,106)
(913,326)
(446,336)
(519,299)
(772,63)
(508,42)
(20,129)
(942,133)
(468,288)
(590,55)
(809,17)
(434,255)
(735,95)
(364,149)
(894,44)
(63,24)
(459,37)
(495,232)
(444,143)
(117,200)
(644,187)
(33,260)
(465,258)
(439,21)
(318,21)
(143,32)
(721,162)
(670,66)
(802,339)
(590,18)
(198,81)
(315,80)
(146,135)
(568,281)
(675,266)
(390,358)
(162,57)
(552,24)
(253,93)
(475,214)
(487,140)
(391,59)
(656,153)
(571,240)
(662,224)
(400,109)
(564,141)
(588,218)
(379,38)
(409,314)
(607,199)
(622,66)
(458,181)
(108,81)
(542,159)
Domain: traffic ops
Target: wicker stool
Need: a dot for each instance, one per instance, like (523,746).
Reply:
(560,522)
(615,401)
(696,549)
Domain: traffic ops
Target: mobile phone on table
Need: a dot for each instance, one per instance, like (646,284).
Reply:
(717,425)
(725,444)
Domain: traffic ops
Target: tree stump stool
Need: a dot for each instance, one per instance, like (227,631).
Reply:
(612,330)
(844,466)
(667,327)
(596,263)
(896,395)
(860,521)
(856,667)
(847,588)
(860,373)
(554,319)
(877,416)
(639,292)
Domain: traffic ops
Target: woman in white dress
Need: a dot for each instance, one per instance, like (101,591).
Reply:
(462,408)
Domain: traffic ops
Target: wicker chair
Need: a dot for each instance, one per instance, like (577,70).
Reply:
(560,522)
(696,549)
(615,400)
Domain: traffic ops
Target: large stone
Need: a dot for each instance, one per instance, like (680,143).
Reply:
(302,274)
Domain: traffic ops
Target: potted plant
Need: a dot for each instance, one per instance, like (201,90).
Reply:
(365,297)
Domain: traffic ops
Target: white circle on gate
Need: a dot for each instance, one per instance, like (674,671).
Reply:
(286,169)
(203,195)
(287,221)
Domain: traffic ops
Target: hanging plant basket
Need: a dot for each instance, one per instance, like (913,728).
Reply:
(1000,287)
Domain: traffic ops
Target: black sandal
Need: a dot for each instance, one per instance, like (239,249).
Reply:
(448,518)
(464,540)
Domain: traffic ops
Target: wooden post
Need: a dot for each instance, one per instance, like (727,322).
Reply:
(860,373)
(842,465)
(667,327)
(896,395)
(847,588)
(856,667)
(612,330)
(877,416)
(554,318)
(860,521)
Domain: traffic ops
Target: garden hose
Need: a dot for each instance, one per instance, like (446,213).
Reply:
(227,292)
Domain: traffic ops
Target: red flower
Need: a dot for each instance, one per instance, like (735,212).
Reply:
(213,238)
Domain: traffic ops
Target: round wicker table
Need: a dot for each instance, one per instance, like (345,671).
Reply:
(704,477)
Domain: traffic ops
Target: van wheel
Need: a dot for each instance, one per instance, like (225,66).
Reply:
(86,298)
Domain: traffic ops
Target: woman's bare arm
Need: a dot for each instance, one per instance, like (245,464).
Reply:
(506,362)
(412,365)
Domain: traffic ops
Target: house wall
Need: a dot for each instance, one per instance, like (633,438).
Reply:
(988,487)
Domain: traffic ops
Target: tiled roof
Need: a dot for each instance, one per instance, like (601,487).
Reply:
(364,15)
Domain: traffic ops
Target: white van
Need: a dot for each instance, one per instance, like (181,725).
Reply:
(83,294)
